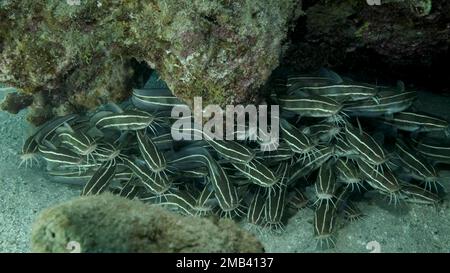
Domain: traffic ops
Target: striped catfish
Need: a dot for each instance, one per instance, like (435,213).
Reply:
(157,183)
(384,181)
(232,150)
(154,158)
(163,141)
(298,141)
(99,182)
(49,127)
(386,102)
(155,99)
(198,172)
(130,190)
(416,122)
(325,186)
(276,199)
(325,132)
(297,199)
(311,106)
(284,152)
(256,209)
(178,200)
(415,194)
(368,149)
(203,201)
(341,92)
(106,151)
(324,225)
(351,212)
(436,150)
(258,173)
(274,207)
(349,174)
(59,155)
(224,190)
(68,176)
(342,196)
(127,120)
(80,143)
(419,168)
(302,168)
(342,148)
(28,154)
(295,82)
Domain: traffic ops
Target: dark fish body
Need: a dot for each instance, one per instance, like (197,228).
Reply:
(311,106)
(258,173)
(256,209)
(154,158)
(415,122)
(366,146)
(127,120)
(386,102)
(100,180)
(415,163)
(324,224)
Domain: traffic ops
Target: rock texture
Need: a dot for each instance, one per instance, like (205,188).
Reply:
(107,223)
(78,54)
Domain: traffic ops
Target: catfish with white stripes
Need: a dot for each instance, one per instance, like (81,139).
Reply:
(435,149)
(310,106)
(99,182)
(386,102)
(417,122)
(154,158)
(157,183)
(369,150)
(324,225)
(417,166)
(128,120)
(276,201)
(256,209)
(415,194)
(298,141)
(384,181)
(325,186)
(349,174)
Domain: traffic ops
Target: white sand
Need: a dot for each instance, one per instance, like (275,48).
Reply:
(23,192)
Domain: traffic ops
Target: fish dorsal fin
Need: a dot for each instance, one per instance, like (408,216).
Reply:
(113,107)
(359,126)
(49,144)
(330,74)
(65,128)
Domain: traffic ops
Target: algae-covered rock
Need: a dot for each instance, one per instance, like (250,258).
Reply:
(107,223)
(80,53)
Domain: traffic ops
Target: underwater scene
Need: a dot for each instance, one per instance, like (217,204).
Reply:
(276,126)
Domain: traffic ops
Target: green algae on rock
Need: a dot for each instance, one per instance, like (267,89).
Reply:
(78,55)
(108,223)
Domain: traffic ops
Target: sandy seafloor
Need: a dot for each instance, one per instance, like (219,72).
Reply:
(405,228)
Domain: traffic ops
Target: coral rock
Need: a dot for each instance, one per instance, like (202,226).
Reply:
(107,223)
(84,54)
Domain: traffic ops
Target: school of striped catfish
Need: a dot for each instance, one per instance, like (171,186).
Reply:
(339,139)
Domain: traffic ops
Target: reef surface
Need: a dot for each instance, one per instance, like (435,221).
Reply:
(73,55)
